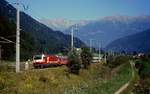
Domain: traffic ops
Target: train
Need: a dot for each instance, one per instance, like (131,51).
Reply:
(43,60)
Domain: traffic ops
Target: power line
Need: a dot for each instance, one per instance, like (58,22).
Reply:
(36,13)
(6,40)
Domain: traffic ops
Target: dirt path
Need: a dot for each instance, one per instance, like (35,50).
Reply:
(122,88)
(128,83)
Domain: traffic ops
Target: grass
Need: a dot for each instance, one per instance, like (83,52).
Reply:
(95,80)
(110,86)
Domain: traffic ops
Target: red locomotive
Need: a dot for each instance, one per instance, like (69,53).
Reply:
(40,61)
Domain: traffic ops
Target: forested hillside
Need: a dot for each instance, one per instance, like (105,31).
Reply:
(7,31)
(35,37)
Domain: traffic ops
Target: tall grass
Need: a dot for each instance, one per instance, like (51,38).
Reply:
(57,80)
(105,86)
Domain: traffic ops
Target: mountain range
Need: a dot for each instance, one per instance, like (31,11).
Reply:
(105,30)
(139,42)
(101,31)
(45,39)
(58,24)
(62,24)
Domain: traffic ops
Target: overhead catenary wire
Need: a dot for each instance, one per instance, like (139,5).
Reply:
(38,16)
(6,40)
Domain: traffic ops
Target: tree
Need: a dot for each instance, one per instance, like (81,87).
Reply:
(86,57)
(74,62)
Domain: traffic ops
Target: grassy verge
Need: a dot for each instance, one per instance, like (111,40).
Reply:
(57,80)
(110,86)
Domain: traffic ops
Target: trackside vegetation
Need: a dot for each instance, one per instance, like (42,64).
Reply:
(97,79)
(142,64)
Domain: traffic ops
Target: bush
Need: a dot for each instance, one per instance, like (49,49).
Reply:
(86,57)
(141,88)
(74,62)
(114,61)
(144,68)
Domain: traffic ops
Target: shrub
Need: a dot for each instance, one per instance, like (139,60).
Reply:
(144,68)
(86,57)
(114,61)
(74,62)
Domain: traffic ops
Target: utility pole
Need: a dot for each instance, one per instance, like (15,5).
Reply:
(18,38)
(0,53)
(99,51)
(72,38)
(91,45)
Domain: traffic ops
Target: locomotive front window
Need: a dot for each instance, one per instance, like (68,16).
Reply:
(37,57)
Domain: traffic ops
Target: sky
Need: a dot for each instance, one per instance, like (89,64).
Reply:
(84,9)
